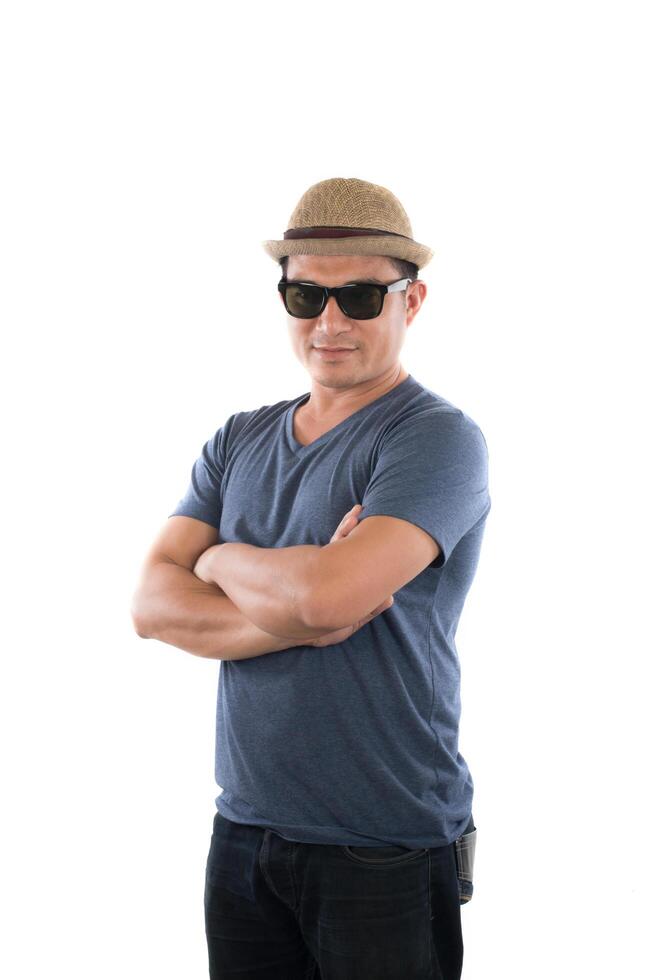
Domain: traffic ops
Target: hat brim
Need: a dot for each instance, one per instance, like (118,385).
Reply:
(399,248)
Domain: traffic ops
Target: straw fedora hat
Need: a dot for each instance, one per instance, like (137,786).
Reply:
(348,216)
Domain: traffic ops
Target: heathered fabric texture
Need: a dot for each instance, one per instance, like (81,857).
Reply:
(354,743)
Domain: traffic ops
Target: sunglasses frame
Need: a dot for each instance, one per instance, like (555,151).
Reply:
(398,286)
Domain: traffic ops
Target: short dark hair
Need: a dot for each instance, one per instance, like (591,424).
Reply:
(405,270)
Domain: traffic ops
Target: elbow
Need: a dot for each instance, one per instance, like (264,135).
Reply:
(141,631)
(138,621)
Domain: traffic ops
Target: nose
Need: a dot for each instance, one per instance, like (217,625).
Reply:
(333,326)
(333,315)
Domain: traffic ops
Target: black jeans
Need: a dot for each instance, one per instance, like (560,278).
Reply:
(283,910)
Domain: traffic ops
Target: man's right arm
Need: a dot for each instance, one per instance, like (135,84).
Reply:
(173,605)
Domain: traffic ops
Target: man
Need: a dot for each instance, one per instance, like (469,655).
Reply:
(350,523)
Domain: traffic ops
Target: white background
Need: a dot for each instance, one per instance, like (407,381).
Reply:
(148,149)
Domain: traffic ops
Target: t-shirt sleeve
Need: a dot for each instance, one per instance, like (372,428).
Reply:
(432,470)
(203,499)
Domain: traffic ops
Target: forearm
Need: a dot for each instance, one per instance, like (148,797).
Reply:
(271,586)
(176,607)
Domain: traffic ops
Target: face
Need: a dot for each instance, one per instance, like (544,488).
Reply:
(376,343)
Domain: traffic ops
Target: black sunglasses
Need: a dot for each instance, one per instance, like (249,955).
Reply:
(358,300)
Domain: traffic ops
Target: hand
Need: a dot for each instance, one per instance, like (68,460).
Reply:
(348,524)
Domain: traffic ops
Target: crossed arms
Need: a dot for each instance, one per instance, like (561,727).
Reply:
(234,601)
(305,589)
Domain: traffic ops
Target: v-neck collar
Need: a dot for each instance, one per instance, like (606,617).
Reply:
(300,450)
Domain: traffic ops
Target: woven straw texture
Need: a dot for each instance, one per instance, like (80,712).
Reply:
(350,202)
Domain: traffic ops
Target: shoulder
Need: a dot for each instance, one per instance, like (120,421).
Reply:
(442,411)
(242,420)
(431,424)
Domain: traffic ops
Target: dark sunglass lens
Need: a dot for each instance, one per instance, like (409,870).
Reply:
(304,301)
(362,302)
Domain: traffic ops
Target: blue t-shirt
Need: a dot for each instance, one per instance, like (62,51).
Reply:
(354,743)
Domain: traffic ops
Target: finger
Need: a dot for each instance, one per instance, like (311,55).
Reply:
(346,522)
(349,525)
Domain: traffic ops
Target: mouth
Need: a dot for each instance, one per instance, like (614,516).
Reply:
(333,353)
